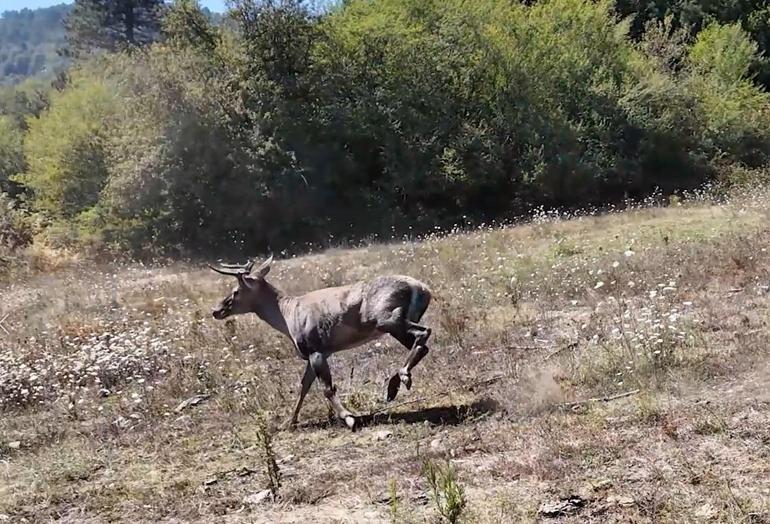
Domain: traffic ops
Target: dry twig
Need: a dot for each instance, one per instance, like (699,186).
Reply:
(599,399)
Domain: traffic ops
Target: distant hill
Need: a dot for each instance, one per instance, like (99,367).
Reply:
(31,38)
(29,41)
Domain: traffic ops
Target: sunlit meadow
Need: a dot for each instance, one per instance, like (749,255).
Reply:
(617,356)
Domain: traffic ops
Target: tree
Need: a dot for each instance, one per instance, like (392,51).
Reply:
(187,25)
(112,24)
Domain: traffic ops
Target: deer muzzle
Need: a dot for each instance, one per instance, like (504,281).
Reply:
(220,312)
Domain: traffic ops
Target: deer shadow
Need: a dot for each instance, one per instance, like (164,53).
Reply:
(451,415)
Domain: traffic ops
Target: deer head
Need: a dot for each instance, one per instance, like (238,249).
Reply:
(248,293)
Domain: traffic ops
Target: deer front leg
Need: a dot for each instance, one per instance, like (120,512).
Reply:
(320,367)
(307,380)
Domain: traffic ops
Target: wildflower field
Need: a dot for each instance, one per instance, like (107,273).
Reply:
(594,367)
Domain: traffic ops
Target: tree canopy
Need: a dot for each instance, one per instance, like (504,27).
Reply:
(112,24)
(283,125)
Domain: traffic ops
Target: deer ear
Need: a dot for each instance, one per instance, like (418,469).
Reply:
(246,281)
(264,269)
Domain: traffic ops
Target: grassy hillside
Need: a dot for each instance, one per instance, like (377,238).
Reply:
(29,42)
(619,359)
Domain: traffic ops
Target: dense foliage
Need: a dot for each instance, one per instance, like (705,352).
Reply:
(693,15)
(284,126)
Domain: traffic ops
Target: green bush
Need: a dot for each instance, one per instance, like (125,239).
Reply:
(737,122)
(27,99)
(65,150)
(282,126)
(205,142)
(475,107)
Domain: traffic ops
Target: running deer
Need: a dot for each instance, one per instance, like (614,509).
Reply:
(332,319)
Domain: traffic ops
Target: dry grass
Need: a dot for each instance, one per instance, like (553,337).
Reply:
(671,301)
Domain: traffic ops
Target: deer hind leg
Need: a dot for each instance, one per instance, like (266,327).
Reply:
(414,337)
(321,370)
(307,380)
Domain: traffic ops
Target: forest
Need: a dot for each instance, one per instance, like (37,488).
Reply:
(282,125)
(30,41)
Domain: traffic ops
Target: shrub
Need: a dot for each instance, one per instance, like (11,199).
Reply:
(283,126)
(184,174)
(479,106)
(15,231)
(64,150)
(735,109)
(446,491)
(11,153)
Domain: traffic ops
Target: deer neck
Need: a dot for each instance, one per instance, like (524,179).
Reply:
(271,307)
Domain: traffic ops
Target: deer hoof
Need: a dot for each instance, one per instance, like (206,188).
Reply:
(351,422)
(393,386)
(406,380)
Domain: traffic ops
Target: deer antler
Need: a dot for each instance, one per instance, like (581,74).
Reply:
(234,269)
(246,267)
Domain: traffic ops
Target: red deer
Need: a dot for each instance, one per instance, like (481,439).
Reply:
(332,319)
